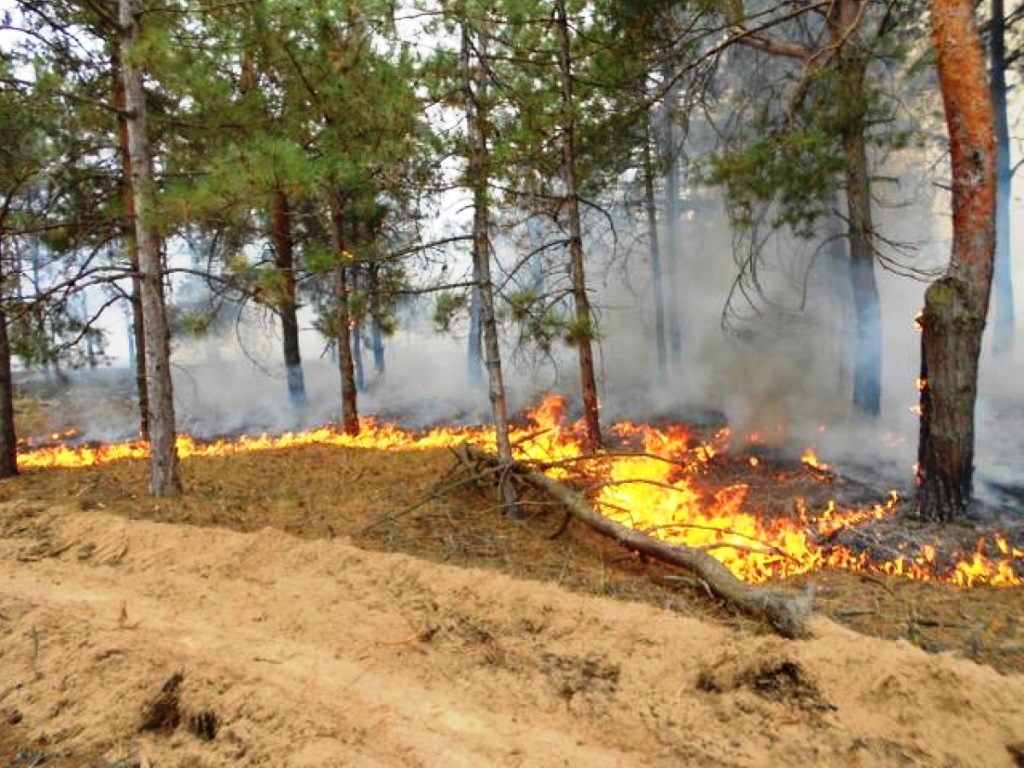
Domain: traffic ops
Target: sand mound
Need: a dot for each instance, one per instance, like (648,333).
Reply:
(315,653)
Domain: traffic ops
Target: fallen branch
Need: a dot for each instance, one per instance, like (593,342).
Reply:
(787,614)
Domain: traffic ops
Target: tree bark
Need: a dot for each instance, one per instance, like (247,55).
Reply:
(137,330)
(657,280)
(164,479)
(8,435)
(584,321)
(844,19)
(474,348)
(376,336)
(867,357)
(479,175)
(787,614)
(955,307)
(1004,319)
(839,297)
(284,256)
(673,216)
(346,363)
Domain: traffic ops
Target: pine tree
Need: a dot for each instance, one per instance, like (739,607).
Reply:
(164,478)
(956,306)
(799,149)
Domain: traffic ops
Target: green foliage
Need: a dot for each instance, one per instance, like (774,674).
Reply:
(521,304)
(576,332)
(789,159)
(46,333)
(194,322)
(797,169)
(447,306)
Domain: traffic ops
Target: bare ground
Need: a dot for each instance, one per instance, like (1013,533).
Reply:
(443,636)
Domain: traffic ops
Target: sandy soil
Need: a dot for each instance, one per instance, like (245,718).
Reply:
(302,652)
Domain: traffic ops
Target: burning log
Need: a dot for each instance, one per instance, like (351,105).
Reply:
(785,613)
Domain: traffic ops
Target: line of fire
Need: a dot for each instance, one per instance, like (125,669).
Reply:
(663,480)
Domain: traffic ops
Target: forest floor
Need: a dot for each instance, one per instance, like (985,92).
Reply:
(325,607)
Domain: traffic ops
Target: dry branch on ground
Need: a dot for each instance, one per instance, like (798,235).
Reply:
(786,613)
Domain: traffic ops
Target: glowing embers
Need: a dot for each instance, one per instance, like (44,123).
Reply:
(659,480)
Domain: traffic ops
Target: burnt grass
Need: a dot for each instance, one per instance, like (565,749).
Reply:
(422,503)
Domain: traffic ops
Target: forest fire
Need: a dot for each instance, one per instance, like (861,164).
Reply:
(647,484)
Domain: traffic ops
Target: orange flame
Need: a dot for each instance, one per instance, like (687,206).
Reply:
(810,459)
(651,488)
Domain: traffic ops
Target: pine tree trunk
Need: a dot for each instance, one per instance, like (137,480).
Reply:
(839,298)
(673,216)
(479,175)
(357,355)
(584,320)
(376,336)
(346,363)
(655,250)
(284,256)
(8,436)
(1004,320)
(867,358)
(164,479)
(844,18)
(955,308)
(131,244)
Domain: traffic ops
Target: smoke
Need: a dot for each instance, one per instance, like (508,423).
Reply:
(781,371)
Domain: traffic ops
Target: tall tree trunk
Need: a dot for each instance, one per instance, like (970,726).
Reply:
(284,256)
(164,479)
(357,355)
(956,305)
(8,436)
(867,357)
(479,175)
(1004,319)
(137,330)
(844,18)
(839,297)
(376,336)
(584,321)
(346,363)
(474,348)
(655,250)
(673,219)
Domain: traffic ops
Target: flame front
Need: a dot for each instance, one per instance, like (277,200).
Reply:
(651,490)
